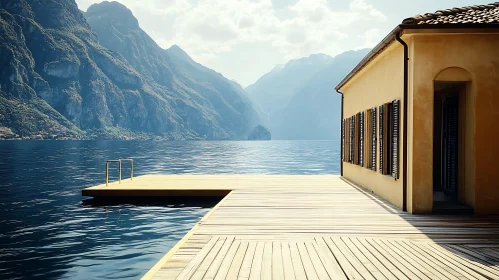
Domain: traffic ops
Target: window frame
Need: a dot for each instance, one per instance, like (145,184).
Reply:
(389,135)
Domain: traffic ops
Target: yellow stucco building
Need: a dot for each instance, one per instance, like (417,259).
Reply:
(421,113)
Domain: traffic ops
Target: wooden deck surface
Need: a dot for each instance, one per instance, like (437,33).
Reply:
(314,227)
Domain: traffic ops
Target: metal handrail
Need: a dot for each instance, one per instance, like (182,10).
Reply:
(119,161)
(131,166)
(107,170)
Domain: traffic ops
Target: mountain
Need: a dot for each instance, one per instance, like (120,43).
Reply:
(272,91)
(260,133)
(231,99)
(217,107)
(97,74)
(308,108)
(314,112)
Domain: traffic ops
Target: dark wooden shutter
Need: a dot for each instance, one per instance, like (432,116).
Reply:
(373,144)
(395,138)
(356,140)
(381,139)
(450,144)
(361,139)
(347,139)
(342,140)
(352,138)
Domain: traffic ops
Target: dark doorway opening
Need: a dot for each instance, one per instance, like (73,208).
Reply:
(447,156)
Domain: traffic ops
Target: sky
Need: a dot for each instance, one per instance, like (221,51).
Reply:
(244,39)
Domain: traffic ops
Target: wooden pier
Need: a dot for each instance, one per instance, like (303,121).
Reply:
(313,227)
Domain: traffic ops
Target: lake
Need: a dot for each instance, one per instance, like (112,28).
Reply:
(49,231)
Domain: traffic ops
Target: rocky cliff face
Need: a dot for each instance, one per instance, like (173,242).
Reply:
(104,78)
(228,97)
(259,133)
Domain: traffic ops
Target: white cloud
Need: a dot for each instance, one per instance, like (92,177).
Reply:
(246,22)
(371,37)
(362,7)
(207,29)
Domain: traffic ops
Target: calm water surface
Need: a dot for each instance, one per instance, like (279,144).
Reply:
(48,231)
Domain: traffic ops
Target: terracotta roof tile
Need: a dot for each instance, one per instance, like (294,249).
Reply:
(470,14)
(483,16)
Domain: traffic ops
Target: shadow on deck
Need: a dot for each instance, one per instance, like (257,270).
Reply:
(318,226)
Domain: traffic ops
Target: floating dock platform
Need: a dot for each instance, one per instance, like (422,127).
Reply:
(312,227)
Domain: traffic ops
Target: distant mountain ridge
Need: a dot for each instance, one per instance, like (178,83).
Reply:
(69,74)
(308,108)
(273,90)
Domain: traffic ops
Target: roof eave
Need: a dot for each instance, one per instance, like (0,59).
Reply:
(391,36)
(370,55)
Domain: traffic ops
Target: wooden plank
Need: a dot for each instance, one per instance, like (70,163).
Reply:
(442,268)
(277,268)
(354,261)
(298,268)
(307,262)
(414,260)
(450,262)
(486,259)
(235,266)
(223,270)
(476,266)
(198,259)
(215,265)
(316,261)
(203,268)
(256,266)
(267,261)
(163,261)
(287,262)
(369,257)
(330,263)
(349,270)
(489,253)
(244,274)
(385,259)
(402,264)
(363,259)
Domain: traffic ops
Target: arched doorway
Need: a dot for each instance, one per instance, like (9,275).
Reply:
(453,125)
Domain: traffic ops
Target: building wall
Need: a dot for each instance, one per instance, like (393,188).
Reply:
(379,82)
(478,54)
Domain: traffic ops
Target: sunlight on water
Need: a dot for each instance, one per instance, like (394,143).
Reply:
(48,232)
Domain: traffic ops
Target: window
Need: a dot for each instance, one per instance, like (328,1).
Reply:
(356,150)
(389,138)
(346,140)
(343,140)
(373,139)
(349,140)
(355,140)
(356,146)
(369,142)
(360,138)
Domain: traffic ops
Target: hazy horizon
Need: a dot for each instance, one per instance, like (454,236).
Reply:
(243,40)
